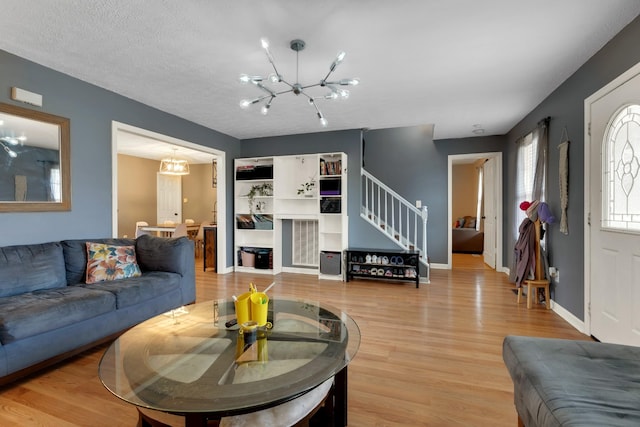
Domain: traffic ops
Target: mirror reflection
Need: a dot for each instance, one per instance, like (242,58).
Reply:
(34,159)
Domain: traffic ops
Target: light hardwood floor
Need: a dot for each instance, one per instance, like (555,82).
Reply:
(429,357)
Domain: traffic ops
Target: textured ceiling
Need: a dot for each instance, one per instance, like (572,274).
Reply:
(453,64)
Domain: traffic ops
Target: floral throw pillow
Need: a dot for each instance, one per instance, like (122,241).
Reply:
(109,262)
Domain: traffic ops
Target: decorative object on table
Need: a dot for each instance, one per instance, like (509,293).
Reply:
(296,88)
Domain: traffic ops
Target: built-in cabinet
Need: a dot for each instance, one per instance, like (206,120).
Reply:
(311,188)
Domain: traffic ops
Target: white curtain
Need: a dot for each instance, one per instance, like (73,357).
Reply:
(531,169)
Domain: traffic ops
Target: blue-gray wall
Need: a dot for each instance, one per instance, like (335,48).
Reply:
(91,111)
(406,159)
(565,106)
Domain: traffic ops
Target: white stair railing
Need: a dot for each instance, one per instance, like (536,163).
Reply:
(394,216)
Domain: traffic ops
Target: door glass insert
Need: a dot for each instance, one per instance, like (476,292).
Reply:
(621,170)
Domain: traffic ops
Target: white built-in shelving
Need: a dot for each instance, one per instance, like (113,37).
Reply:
(259,218)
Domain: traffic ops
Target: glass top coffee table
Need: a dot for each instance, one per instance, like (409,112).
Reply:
(190,363)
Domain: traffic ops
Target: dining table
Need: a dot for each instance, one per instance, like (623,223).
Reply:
(196,363)
(167,230)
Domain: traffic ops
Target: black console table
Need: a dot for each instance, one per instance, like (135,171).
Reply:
(383,264)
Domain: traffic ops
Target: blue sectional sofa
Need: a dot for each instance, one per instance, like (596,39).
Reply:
(48,312)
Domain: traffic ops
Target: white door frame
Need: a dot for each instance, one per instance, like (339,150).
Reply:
(221,253)
(624,77)
(498,195)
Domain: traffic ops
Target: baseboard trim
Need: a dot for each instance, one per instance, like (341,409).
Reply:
(439,266)
(569,317)
(298,270)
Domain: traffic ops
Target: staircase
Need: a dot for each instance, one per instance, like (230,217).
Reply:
(394,216)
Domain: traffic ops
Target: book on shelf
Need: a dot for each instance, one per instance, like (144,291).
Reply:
(330,168)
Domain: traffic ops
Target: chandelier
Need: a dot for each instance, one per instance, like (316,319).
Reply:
(173,166)
(6,141)
(335,91)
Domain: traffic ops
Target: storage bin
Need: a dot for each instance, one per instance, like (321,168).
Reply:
(248,259)
(254,172)
(330,262)
(245,222)
(263,222)
(262,258)
(331,205)
(330,187)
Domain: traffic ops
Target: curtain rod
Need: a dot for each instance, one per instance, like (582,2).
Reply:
(544,122)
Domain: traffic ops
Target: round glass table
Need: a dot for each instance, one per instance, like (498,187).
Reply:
(189,362)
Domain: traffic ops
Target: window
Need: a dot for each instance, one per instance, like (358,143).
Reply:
(527,158)
(620,167)
(54,185)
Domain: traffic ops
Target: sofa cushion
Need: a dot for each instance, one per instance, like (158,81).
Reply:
(110,262)
(41,311)
(75,256)
(137,290)
(157,254)
(26,268)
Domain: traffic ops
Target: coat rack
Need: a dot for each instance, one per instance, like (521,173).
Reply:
(539,280)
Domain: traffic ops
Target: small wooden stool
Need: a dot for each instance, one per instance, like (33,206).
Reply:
(539,281)
(532,291)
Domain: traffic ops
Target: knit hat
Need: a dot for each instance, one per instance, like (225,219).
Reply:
(532,210)
(544,212)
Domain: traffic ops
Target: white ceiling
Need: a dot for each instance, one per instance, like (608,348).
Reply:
(453,64)
(136,145)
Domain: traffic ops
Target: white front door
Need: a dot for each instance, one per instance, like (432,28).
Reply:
(489,181)
(614,192)
(169,198)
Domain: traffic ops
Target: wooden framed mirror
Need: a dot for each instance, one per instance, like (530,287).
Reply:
(35,168)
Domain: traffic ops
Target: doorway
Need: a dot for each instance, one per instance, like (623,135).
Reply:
(491,191)
(150,148)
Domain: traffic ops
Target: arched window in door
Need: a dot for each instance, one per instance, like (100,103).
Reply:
(621,171)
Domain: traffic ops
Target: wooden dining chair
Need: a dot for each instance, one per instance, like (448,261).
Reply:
(141,232)
(181,230)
